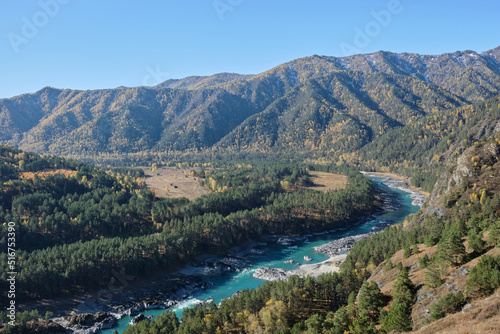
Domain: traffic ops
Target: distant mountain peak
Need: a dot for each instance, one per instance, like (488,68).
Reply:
(200,82)
(313,104)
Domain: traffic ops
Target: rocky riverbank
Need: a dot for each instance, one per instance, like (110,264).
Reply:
(272,274)
(102,310)
(342,245)
(398,182)
(91,313)
(337,251)
(314,269)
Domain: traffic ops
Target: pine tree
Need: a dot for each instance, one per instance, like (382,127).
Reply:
(403,290)
(432,278)
(494,237)
(407,252)
(388,265)
(341,321)
(424,261)
(451,249)
(398,318)
(475,242)
(399,265)
(484,278)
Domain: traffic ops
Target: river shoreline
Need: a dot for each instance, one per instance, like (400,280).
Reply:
(338,249)
(403,183)
(396,177)
(166,291)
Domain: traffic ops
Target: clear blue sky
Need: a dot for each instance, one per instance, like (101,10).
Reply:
(90,44)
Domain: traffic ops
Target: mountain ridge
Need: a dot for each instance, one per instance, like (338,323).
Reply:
(317,100)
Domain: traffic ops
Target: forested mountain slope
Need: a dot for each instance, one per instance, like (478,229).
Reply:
(423,148)
(337,112)
(328,105)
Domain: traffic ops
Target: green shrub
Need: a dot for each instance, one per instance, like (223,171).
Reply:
(399,265)
(432,278)
(449,304)
(407,252)
(424,261)
(388,265)
(484,277)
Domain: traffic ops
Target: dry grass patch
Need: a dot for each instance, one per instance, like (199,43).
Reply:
(481,316)
(327,181)
(178,181)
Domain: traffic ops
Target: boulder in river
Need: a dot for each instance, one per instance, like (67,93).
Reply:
(307,258)
(284,241)
(138,318)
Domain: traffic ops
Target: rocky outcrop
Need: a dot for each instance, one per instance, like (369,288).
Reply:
(290,240)
(138,318)
(87,322)
(272,274)
(341,245)
(471,167)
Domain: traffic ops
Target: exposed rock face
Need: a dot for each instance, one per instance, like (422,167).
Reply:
(307,258)
(454,279)
(53,327)
(469,167)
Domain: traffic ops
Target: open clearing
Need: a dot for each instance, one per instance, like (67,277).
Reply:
(179,182)
(327,181)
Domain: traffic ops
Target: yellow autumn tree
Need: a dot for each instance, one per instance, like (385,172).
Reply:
(273,316)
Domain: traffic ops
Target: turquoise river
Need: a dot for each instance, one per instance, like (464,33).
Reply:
(397,205)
